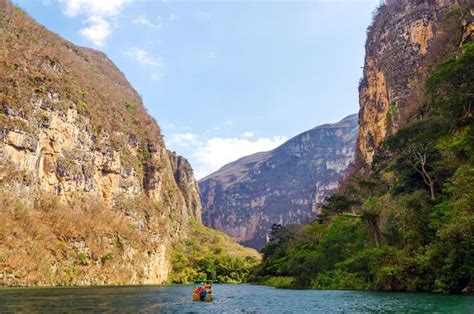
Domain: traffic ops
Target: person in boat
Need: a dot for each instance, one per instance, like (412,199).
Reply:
(202,292)
(208,288)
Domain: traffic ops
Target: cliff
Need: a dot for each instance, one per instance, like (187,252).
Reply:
(406,39)
(284,186)
(89,192)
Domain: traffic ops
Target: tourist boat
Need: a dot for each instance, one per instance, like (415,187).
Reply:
(202,290)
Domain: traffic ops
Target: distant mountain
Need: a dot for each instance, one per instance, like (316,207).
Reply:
(285,185)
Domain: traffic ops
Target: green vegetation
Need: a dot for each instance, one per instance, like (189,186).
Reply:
(391,115)
(209,254)
(83,258)
(409,225)
(129,105)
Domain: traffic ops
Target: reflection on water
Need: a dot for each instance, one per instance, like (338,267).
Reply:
(228,298)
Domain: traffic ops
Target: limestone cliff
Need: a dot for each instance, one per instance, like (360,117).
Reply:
(184,176)
(286,185)
(90,194)
(407,38)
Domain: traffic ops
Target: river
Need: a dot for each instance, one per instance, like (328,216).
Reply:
(228,298)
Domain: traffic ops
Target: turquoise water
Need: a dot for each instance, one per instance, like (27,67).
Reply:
(228,298)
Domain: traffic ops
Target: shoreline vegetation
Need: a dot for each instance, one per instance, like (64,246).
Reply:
(212,255)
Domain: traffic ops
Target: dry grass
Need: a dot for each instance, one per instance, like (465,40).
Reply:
(37,244)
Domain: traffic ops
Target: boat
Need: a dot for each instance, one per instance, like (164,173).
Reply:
(202,290)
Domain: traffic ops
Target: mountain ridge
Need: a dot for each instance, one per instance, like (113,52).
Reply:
(315,170)
(267,154)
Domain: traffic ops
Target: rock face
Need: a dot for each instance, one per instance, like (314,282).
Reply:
(405,40)
(244,198)
(184,176)
(74,133)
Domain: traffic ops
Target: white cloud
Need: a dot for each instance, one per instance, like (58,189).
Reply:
(183,139)
(141,20)
(212,55)
(202,15)
(142,56)
(161,22)
(104,8)
(168,125)
(97,14)
(97,31)
(208,155)
(157,76)
(217,152)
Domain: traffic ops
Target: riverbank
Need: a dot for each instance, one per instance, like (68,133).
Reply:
(285,282)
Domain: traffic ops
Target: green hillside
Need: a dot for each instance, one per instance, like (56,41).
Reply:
(210,254)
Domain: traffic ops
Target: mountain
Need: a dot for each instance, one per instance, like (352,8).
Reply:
(89,192)
(283,186)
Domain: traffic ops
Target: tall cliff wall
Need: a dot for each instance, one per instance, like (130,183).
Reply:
(407,38)
(245,198)
(90,194)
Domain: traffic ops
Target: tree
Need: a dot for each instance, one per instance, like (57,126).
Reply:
(413,148)
(337,204)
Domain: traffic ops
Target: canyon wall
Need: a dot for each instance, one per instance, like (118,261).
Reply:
(406,39)
(284,186)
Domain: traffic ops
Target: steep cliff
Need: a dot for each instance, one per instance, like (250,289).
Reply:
(89,193)
(286,185)
(184,176)
(406,39)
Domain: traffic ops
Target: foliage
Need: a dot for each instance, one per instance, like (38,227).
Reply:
(409,225)
(278,282)
(209,254)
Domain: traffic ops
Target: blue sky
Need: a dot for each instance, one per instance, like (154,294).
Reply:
(225,79)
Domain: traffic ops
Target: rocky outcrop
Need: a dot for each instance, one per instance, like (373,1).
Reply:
(76,141)
(407,38)
(184,176)
(245,198)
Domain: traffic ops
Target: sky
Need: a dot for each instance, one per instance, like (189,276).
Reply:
(225,79)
